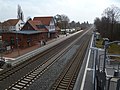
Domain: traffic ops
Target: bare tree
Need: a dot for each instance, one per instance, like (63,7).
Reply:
(65,18)
(57,18)
(62,20)
(113,14)
(20,13)
(73,24)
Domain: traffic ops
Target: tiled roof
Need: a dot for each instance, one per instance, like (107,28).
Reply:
(34,25)
(44,20)
(11,22)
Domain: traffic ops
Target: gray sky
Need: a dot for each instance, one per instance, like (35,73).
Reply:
(77,10)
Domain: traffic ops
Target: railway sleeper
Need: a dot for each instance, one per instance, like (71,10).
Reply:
(67,76)
(29,77)
(66,80)
(61,87)
(26,79)
(62,84)
(20,83)
(18,86)
(13,88)
(37,71)
(74,79)
(70,88)
(72,83)
(34,74)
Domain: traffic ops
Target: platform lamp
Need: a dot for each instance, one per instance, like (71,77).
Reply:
(17,44)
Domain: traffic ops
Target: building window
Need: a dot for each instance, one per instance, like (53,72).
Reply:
(12,42)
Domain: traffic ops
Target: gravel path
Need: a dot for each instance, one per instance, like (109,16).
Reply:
(48,78)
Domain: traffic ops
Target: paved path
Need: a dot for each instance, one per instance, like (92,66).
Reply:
(85,80)
(18,52)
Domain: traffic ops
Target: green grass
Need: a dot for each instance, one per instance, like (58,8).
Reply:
(113,49)
(99,43)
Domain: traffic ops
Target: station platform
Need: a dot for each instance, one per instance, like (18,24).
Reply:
(19,52)
(85,77)
(86,81)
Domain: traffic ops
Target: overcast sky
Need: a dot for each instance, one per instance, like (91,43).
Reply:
(77,10)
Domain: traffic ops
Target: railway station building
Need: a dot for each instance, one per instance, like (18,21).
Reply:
(33,32)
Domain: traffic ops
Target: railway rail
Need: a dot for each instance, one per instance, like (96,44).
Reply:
(12,70)
(68,77)
(29,78)
(36,65)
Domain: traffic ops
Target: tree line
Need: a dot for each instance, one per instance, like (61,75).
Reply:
(63,22)
(109,24)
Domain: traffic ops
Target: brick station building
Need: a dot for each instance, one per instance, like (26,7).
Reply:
(33,32)
(23,39)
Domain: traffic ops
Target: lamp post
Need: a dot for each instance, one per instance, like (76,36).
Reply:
(17,43)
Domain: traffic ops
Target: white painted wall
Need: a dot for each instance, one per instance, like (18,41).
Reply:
(52,26)
(17,27)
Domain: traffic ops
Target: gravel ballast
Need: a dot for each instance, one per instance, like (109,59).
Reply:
(48,78)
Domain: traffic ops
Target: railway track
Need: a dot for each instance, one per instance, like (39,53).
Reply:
(15,69)
(34,73)
(67,79)
(38,65)
(29,78)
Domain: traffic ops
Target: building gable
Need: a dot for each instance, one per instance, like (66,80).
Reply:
(12,25)
(28,26)
(12,22)
(35,25)
(44,20)
(47,21)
